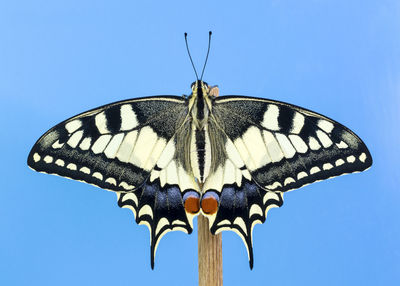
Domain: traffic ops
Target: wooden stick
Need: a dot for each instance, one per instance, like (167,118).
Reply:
(210,254)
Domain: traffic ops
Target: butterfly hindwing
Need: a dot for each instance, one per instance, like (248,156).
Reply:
(241,208)
(159,202)
(160,207)
(241,202)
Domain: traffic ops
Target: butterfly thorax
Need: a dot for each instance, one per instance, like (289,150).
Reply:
(199,104)
(200,151)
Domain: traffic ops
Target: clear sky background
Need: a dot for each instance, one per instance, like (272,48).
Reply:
(60,58)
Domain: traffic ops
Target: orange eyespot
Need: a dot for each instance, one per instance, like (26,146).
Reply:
(209,203)
(191,202)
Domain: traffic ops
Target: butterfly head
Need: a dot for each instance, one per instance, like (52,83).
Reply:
(202,89)
(199,87)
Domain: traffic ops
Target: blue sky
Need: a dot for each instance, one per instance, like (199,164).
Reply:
(339,58)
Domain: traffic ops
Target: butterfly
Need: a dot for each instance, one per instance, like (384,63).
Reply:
(170,158)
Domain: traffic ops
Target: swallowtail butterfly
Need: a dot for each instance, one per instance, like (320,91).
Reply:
(170,158)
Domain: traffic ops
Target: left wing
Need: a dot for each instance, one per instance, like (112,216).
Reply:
(273,147)
(128,147)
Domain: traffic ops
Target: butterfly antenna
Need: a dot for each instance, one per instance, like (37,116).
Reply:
(190,57)
(208,51)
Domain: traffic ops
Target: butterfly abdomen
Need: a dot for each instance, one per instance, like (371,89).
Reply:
(200,153)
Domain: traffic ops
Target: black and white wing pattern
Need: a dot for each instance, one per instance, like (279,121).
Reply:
(272,147)
(128,147)
(169,158)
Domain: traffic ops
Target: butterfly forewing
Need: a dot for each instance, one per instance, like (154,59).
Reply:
(114,147)
(284,146)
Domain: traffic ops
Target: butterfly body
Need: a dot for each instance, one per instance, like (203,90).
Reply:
(169,158)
